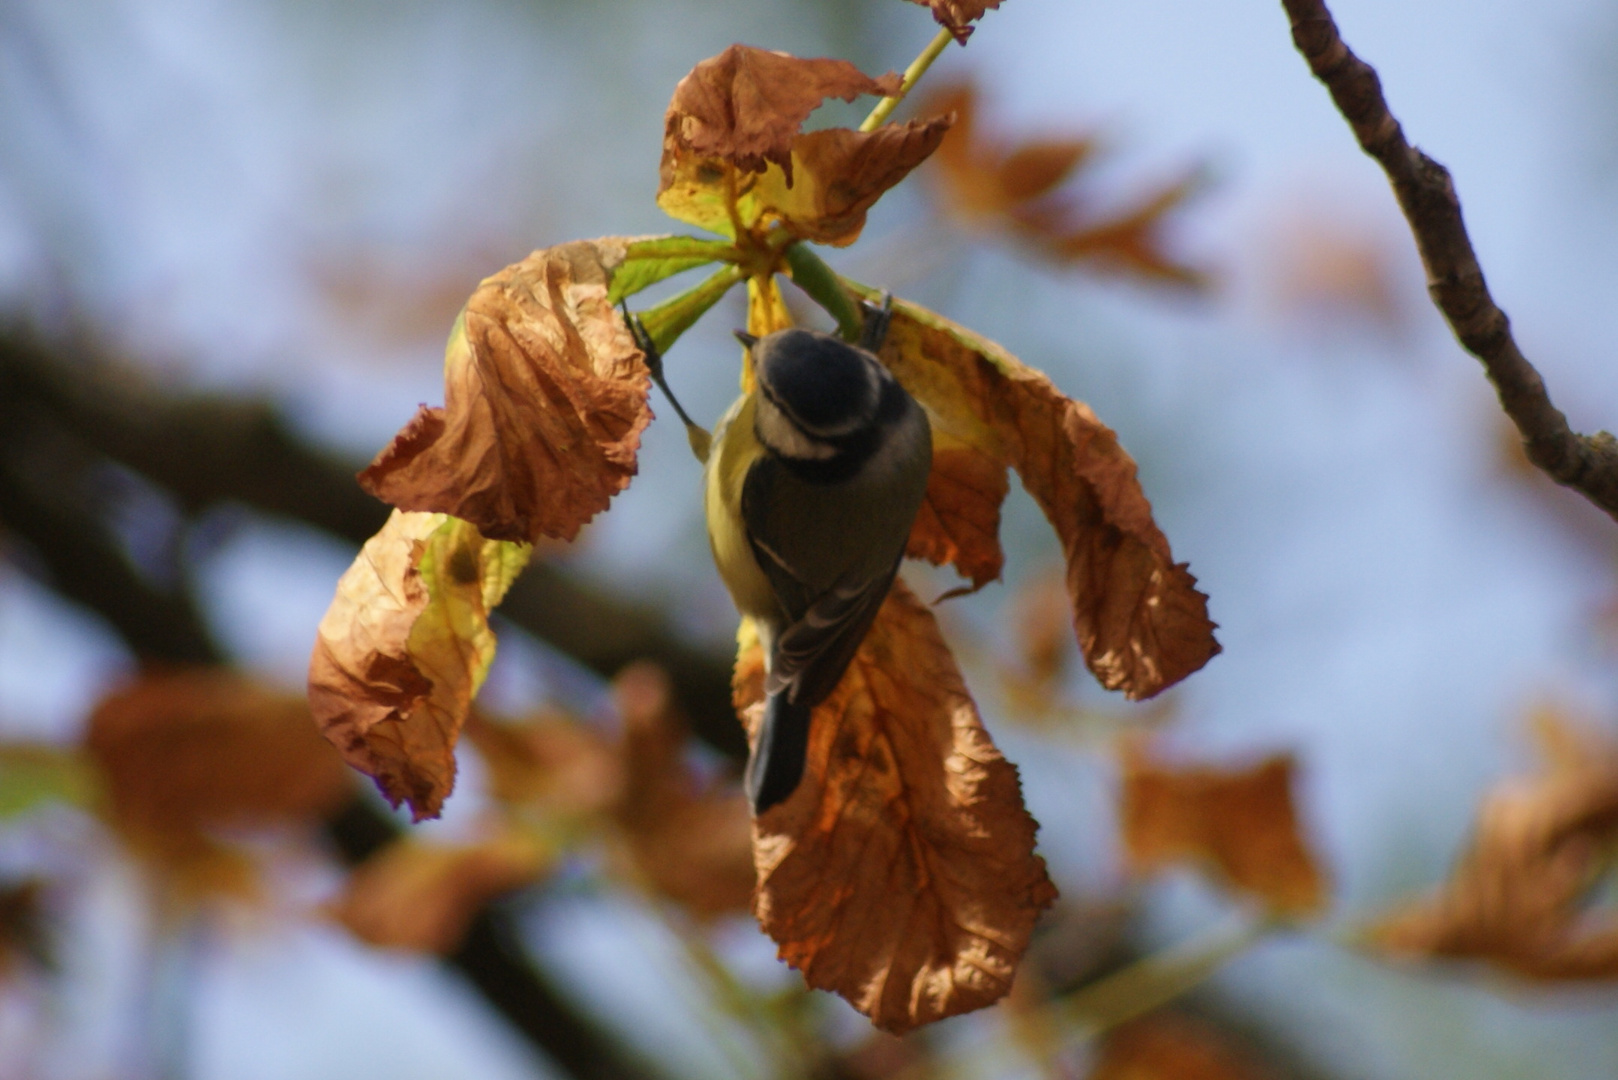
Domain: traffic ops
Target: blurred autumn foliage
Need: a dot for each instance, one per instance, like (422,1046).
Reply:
(1030,191)
(904,873)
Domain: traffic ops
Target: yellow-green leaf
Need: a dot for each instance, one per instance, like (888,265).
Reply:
(405,647)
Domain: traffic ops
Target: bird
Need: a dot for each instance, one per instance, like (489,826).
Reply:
(812,482)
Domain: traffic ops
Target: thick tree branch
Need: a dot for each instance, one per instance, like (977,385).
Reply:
(207,450)
(1426,194)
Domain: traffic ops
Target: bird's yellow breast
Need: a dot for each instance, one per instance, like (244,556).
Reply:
(735,448)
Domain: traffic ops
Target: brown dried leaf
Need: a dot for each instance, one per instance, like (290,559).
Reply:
(957,16)
(403,649)
(1170,1046)
(423,897)
(190,750)
(734,159)
(687,840)
(745,105)
(545,399)
(839,174)
(1519,898)
(901,874)
(989,185)
(1241,824)
(1141,622)
(959,520)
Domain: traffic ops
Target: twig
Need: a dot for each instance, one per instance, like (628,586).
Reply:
(1159,978)
(1426,194)
(918,67)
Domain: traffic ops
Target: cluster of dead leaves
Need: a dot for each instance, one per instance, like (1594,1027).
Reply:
(545,400)
(192,767)
(558,784)
(1026,191)
(1520,899)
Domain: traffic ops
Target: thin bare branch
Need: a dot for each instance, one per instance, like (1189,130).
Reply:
(1426,194)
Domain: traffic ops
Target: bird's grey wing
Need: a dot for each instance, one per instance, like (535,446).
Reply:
(812,653)
(825,623)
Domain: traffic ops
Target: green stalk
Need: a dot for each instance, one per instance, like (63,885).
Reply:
(811,274)
(674,316)
(913,73)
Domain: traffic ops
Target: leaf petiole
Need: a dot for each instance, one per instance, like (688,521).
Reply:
(913,74)
(811,274)
(646,262)
(665,322)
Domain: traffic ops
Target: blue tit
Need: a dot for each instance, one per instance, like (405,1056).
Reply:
(811,487)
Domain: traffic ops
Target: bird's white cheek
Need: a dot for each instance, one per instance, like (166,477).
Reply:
(781,436)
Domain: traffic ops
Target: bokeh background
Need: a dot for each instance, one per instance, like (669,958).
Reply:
(285,202)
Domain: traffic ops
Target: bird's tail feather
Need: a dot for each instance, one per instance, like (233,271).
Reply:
(776,766)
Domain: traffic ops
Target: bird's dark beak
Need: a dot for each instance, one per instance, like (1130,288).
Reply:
(747,340)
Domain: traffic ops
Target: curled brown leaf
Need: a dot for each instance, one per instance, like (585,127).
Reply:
(1519,899)
(901,874)
(1141,622)
(735,162)
(403,649)
(745,105)
(545,398)
(1239,823)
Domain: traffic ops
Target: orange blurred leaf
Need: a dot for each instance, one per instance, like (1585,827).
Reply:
(1142,624)
(552,765)
(1240,823)
(678,836)
(423,897)
(901,874)
(195,749)
(1519,898)
(1169,1046)
(957,16)
(184,753)
(545,399)
(687,840)
(735,161)
(403,649)
(1324,269)
(989,185)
